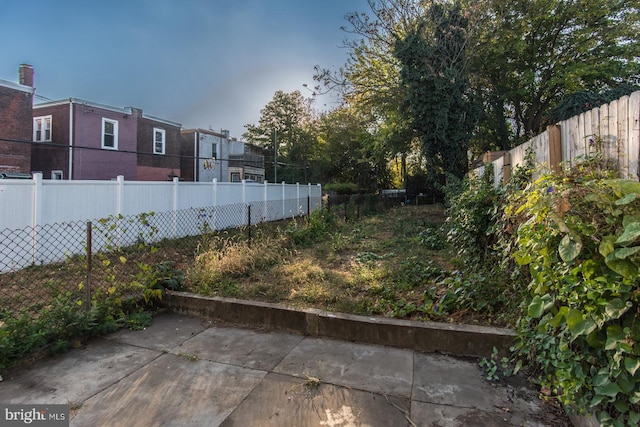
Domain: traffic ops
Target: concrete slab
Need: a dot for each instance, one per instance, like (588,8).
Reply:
(446,380)
(241,347)
(171,391)
(281,400)
(460,384)
(165,332)
(366,367)
(77,375)
(432,415)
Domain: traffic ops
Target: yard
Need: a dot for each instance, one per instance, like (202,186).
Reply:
(393,264)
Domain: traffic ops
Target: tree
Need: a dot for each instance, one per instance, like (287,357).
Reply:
(369,81)
(347,152)
(530,54)
(438,96)
(287,122)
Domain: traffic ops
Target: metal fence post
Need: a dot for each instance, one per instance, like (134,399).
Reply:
(249,224)
(89,251)
(309,205)
(346,205)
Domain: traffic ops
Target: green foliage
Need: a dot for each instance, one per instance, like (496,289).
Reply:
(433,60)
(342,187)
(492,365)
(473,212)
(578,234)
(286,131)
(63,323)
(68,317)
(530,54)
(582,101)
(315,227)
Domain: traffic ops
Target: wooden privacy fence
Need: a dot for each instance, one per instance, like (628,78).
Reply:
(612,128)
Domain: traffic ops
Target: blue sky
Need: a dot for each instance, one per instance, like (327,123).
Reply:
(203,63)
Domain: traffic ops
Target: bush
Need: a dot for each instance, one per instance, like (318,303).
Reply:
(473,209)
(578,234)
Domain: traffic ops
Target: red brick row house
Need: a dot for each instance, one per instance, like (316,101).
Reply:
(86,140)
(16,101)
(76,139)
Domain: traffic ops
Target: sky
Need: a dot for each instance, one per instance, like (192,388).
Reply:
(210,64)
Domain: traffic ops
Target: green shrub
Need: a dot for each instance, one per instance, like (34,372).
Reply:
(473,209)
(313,228)
(578,236)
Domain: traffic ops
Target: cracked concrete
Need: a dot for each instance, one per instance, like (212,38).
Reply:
(181,371)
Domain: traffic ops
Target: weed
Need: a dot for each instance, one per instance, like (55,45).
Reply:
(311,382)
(191,357)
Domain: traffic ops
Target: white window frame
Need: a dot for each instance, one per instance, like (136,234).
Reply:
(115,134)
(162,132)
(40,125)
(57,175)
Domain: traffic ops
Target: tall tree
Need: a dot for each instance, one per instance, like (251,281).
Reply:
(369,81)
(349,153)
(286,130)
(532,53)
(435,72)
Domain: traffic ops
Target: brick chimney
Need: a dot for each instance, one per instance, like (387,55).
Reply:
(25,74)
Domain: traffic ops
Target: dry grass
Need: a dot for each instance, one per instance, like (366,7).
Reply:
(356,268)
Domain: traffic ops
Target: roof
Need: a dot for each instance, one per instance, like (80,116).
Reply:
(127,110)
(16,86)
(122,110)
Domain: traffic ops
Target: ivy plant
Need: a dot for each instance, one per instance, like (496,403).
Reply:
(578,233)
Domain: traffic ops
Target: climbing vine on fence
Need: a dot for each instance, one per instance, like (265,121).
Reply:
(578,233)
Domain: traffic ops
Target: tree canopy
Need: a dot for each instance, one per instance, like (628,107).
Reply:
(438,82)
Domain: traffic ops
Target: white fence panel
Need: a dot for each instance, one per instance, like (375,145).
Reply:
(126,213)
(16,203)
(66,201)
(195,195)
(138,197)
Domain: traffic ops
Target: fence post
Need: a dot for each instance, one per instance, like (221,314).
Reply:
(346,204)
(309,205)
(555,148)
(176,180)
(120,194)
(37,216)
(284,211)
(506,167)
(249,224)
(265,204)
(89,251)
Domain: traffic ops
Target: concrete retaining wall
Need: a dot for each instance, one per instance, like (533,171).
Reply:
(458,340)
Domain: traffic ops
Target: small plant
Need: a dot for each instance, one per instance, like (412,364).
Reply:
(312,382)
(490,366)
(191,357)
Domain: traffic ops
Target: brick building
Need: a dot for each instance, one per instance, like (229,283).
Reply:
(16,124)
(88,140)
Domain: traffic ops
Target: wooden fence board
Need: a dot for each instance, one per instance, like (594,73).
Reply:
(615,125)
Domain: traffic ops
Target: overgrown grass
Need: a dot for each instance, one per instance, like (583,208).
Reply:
(394,264)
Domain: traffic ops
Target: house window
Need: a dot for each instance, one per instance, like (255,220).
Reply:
(109,134)
(214,149)
(158,141)
(42,129)
(235,176)
(57,174)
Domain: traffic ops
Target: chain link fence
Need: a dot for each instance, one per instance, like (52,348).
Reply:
(82,260)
